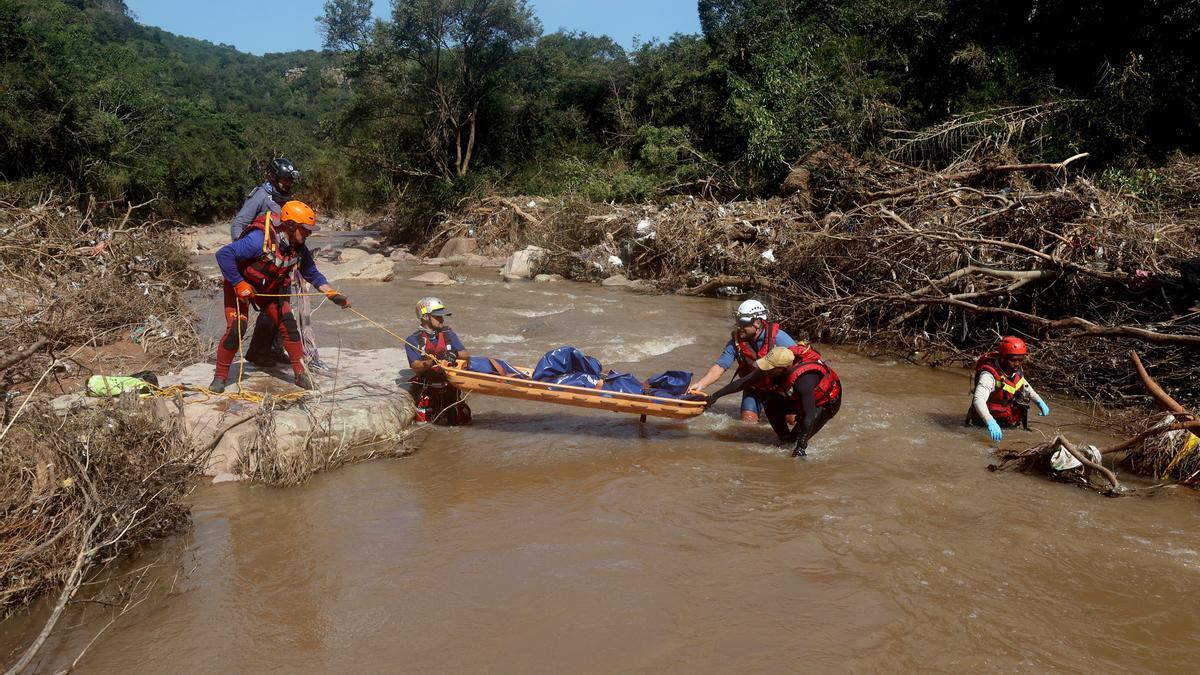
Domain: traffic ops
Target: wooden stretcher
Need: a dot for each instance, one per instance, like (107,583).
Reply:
(562,394)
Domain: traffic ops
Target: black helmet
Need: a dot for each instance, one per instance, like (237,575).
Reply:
(282,167)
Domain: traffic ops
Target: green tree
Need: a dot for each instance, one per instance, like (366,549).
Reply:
(430,70)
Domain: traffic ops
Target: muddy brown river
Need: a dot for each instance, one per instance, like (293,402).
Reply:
(548,539)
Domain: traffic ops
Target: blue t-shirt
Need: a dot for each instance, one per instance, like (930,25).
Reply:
(452,342)
(250,247)
(729,354)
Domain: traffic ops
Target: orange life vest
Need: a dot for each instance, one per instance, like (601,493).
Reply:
(1002,403)
(808,361)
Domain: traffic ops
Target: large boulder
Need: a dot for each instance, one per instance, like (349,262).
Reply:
(621,281)
(352,254)
(370,267)
(402,255)
(520,264)
(434,279)
(457,246)
(547,278)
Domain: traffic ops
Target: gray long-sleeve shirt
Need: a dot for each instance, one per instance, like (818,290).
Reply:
(260,200)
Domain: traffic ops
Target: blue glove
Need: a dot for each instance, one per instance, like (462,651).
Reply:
(1044,410)
(994,430)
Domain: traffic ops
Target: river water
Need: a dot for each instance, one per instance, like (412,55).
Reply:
(551,539)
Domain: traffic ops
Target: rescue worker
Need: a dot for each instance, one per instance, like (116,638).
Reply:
(753,337)
(1001,396)
(265,349)
(270,196)
(797,384)
(433,344)
(261,262)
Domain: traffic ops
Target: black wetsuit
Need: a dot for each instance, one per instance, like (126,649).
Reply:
(800,401)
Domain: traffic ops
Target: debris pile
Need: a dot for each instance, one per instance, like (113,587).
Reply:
(78,279)
(929,266)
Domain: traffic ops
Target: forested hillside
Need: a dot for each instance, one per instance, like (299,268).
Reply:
(447,98)
(94,103)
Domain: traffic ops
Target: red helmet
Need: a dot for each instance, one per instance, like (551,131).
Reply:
(1012,346)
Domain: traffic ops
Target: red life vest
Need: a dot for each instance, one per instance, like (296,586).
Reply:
(270,272)
(435,345)
(746,355)
(809,361)
(1001,404)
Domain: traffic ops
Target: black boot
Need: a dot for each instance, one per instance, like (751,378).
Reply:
(305,381)
(217,386)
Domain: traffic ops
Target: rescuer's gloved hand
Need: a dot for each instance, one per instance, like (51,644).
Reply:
(1043,409)
(337,298)
(994,430)
(450,358)
(244,290)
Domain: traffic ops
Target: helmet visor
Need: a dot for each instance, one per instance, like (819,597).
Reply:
(745,320)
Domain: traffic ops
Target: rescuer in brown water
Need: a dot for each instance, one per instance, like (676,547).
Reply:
(1001,395)
(797,382)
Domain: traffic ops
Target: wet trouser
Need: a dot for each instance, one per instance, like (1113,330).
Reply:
(444,403)
(264,338)
(780,408)
(237,319)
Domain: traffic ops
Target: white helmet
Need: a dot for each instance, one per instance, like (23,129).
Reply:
(751,309)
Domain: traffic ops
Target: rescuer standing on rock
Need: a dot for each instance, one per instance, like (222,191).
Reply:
(797,383)
(753,336)
(265,348)
(257,268)
(1002,395)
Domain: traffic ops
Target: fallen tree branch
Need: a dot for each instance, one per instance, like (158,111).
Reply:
(1164,399)
(967,176)
(86,551)
(16,358)
(1061,441)
(717,282)
(1083,326)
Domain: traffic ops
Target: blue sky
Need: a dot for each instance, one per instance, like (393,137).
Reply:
(260,26)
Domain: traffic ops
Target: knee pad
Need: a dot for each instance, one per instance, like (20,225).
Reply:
(288,323)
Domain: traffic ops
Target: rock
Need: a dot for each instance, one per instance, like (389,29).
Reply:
(370,243)
(469,260)
(546,278)
(351,254)
(327,253)
(494,261)
(457,246)
(434,279)
(205,240)
(384,416)
(402,255)
(434,262)
(352,242)
(513,277)
(368,268)
(520,264)
(620,281)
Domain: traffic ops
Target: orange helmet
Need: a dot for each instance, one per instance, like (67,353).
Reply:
(1012,346)
(300,214)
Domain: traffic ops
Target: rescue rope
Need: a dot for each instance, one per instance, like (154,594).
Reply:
(257,397)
